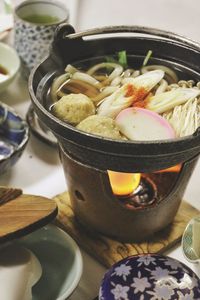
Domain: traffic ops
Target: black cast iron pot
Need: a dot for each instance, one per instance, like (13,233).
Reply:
(86,157)
(70,47)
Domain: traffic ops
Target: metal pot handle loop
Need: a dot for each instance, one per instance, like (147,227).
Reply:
(197,132)
(135,29)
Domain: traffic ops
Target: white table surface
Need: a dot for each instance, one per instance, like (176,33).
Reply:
(39,171)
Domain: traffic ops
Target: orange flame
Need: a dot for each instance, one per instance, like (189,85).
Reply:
(175,169)
(123,184)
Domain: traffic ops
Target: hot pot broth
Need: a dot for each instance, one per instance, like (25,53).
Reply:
(100,86)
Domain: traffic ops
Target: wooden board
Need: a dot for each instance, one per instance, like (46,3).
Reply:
(108,251)
(24,214)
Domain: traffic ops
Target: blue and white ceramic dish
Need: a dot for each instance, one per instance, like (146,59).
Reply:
(14,135)
(60,259)
(150,277)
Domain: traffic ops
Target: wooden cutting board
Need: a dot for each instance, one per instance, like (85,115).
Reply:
(108,251)
(22,214)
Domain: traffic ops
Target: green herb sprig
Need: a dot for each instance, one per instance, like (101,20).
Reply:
(147,57)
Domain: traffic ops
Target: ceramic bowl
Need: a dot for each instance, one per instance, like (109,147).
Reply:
(14,132)
(189,240)
(149,277)
(10,62)
(60,259)
(6,23)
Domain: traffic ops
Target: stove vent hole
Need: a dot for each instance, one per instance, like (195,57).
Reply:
(79,196)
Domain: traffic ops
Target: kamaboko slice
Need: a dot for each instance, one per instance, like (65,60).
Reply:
(141,124)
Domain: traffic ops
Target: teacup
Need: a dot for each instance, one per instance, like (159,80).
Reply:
(35,23)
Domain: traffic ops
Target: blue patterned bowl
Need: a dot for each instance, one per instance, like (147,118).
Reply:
(14,135)
(150,277)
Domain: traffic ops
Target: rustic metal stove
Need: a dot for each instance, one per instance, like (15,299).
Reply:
(87,158)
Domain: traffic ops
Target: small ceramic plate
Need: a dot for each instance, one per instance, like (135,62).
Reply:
(150,277)
(39,129)
(60,259)
(188,243)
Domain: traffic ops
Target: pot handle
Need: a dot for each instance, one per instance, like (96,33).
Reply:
(197,132)
(131,29)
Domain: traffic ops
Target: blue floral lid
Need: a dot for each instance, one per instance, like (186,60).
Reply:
(150,277)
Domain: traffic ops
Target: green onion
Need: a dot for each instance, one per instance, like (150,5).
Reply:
(122,58)
(166,101)
(111,59)
(147,57)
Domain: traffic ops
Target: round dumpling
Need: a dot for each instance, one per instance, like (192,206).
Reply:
(99,125)
(73,108)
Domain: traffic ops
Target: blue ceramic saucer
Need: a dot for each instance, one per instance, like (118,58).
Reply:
(150,277)
(14,135)
(60,259)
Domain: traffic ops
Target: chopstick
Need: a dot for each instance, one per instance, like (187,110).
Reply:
(8,194)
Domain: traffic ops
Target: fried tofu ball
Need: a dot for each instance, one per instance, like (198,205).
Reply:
(73,108)
(99,125)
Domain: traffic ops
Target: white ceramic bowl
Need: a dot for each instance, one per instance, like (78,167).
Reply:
(61,262)
(10,61)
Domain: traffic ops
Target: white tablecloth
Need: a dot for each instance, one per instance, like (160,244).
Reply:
(39,171)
